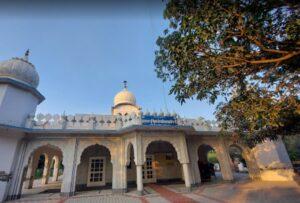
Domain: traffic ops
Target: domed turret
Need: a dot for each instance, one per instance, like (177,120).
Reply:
(20,69)
(125,103)
(124,97)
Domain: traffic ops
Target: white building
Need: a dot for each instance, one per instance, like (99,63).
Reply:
(125,148)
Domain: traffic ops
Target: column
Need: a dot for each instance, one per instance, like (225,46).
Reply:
(194,168)
(55,169)
(118,177)
(46,170)
(139,179)
(187,176)
(224,160)
(70,168)
(28,183)
(184,160)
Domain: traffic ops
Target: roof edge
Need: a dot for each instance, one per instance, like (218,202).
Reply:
(23,86)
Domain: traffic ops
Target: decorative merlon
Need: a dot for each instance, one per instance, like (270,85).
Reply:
(115,122)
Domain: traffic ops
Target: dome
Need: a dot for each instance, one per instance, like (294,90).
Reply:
(20,69)
(124,97)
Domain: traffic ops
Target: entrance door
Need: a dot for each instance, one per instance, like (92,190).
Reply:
(149,175)
(96,174)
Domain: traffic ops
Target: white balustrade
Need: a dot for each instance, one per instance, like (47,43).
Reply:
(109,122)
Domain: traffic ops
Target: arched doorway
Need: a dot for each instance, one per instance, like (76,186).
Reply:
(95,169)
(37,175)
(239,165)
(161,164)
(130,168)
(208,164)
(56,169)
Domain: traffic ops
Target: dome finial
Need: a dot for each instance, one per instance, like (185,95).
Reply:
(26,55)
(125,84)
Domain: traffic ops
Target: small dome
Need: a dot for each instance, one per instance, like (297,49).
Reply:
(20,69)
(124,97)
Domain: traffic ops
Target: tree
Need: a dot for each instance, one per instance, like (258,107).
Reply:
(245,51)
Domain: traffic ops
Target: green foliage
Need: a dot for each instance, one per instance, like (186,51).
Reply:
(212,157)
(244,51)
(38,173)
(292,144)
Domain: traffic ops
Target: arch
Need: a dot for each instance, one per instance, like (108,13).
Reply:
(90,146)
(55,170)
(35,150)
(207,165)
(171,141)
(95,155)
(162,163)
(55,159)
(211,144)
(127,153)
(236,152)
(249,158)
(84,144)
(39,144)
(95,145)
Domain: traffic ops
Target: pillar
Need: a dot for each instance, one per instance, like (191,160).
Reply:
(139,161)
(194,168)
(187,176)
(70,168)
(46,170)
(118,177)
(55,169)
(28,183)
(139,179)
(224,160)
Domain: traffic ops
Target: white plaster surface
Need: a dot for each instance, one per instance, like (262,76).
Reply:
(8,145)
(15,105)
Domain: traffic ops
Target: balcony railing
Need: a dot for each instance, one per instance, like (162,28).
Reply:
(112,122)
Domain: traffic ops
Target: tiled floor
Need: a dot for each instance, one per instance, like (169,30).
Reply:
(243,191)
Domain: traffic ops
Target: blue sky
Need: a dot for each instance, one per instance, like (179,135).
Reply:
(83,59)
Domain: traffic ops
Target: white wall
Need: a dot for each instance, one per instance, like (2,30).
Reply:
(8,147)
(15,105)
(272,154)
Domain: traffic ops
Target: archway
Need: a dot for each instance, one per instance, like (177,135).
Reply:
(130,167)
(56,169)
(95,169)
(208,164)
(36,178)
(161,163)
(239,165)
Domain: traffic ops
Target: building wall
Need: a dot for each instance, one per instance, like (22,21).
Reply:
(8,148)
(15,105)
(272,154)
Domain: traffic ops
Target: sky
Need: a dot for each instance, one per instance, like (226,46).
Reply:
(84,53)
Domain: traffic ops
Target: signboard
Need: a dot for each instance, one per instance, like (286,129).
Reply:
(152,120)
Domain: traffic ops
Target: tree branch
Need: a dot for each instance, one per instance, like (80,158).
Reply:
(275,60)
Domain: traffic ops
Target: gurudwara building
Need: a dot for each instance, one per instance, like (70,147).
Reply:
(129,147)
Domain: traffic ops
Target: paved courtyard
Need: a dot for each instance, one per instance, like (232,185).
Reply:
(218,192)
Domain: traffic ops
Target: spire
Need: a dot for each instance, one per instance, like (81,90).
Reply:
(125,84)
(26,55)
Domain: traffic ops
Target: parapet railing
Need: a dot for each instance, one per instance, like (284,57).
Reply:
(108,122)
(81,121)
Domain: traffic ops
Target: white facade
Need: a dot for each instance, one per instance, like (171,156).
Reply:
(118,150)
